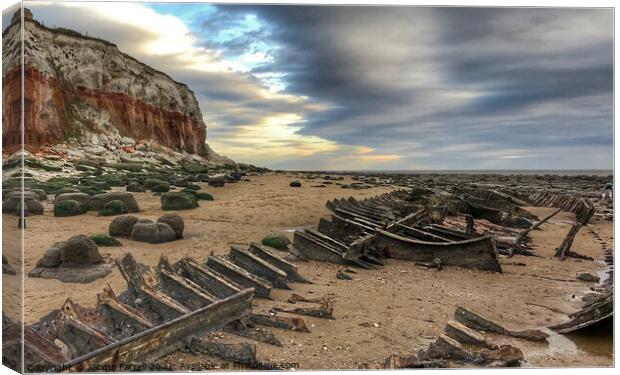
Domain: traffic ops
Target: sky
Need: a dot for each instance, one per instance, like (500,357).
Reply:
(390,88)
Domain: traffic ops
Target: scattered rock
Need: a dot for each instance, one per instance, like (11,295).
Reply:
(204,196)
(588,277)
(68,207)
(217,180)
(82,198)
(175,222)
(12,203)
(152,232)
(156,185)
(135,187)
(51,257)
(99,200)
(343,276)
(295,184)
(113,208)
(79,250)
(277,241)
(122,226)
(6,267)
(178,201)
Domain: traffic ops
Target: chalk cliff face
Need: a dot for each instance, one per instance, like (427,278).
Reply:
(74,85)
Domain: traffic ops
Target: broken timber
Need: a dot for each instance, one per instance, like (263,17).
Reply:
(472,253)
(591,314)
(163,308)
(476,321)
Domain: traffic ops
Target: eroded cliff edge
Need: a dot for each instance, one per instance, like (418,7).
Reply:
(83,88)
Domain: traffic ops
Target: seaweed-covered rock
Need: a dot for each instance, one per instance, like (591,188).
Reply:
(99,200)
(80,250)
(180,182)
(135,187)
(178,201)
(295,184)
(204,196)
(12,203)
(163,187)
(39,192)
(51,257)
(68,208)
(175,222)
(217,180)
(105,240)
(132,167)
(277,241)
(152,232)
(113,208)
(194,167)
(82,198)
(150,183)
(122,226)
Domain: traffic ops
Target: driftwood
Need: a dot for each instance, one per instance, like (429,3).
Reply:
(537,224)
(476,321)
(592,313)
(466,335)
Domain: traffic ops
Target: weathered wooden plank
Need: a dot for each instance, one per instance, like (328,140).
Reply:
(166,338)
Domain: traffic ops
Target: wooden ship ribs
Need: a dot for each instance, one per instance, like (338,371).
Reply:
(365,232)
(165,308)
(180,306)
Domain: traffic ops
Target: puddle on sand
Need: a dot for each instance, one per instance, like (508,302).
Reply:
(597,340)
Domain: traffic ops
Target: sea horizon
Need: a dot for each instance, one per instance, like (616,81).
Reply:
(529,172)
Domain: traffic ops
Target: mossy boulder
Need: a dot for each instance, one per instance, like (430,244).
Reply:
(12,203)
(193,187)
(180,182)
(82,198)
(113,208)
(51,257)
(121,226)
(157,185)
(194,168)
(164,187)
(175,222)
(277,241)
(80,250)
(204,196)
(105,240)
(132,167)
(68,207)
(135,187)
(99,200)
(178,201)
(152,232)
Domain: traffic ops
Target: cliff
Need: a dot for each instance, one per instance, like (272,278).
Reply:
(76,85)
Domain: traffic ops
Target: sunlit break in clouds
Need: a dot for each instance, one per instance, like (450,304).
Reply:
(308,87)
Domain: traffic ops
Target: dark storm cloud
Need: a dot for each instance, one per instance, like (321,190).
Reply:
(504,78)
(438,87)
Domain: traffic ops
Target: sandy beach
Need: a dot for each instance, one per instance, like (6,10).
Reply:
(394,310)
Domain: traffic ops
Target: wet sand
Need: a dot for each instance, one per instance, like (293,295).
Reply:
(405,306)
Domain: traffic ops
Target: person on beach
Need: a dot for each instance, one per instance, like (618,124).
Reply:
(608,191)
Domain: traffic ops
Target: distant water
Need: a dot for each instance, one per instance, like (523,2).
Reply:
(529,172)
